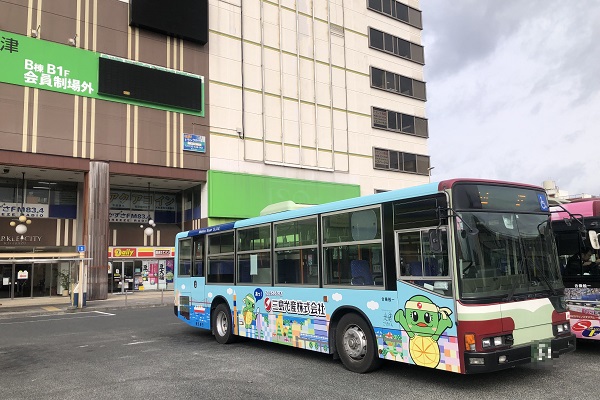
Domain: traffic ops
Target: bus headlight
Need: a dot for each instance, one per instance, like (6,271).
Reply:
(560,329)
(497,341)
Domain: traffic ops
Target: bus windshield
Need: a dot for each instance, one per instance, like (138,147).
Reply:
(505,255)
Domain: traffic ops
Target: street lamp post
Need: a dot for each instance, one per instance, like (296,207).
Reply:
(149,230)
(21,223)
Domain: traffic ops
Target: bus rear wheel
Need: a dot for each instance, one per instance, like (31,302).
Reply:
(356,344)
(221,324)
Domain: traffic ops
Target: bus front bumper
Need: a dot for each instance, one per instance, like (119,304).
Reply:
(541,352)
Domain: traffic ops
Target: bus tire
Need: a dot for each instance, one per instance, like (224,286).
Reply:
(356,344)
(222,327)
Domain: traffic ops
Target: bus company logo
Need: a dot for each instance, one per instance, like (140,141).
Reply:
(586,329)
(581,326)
(125,252)
(268,304)
(299,307)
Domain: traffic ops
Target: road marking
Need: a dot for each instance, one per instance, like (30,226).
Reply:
(142,342)
(94,315)
(103,313)
(51,308)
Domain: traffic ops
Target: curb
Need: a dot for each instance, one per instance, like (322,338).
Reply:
(38,310)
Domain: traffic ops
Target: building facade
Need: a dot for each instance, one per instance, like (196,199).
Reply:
(314,91)
(124,122)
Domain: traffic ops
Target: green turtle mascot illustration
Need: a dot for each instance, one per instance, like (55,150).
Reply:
(424,322)
(248,311)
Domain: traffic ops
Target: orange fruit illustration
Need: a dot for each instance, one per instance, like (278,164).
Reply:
(424,351)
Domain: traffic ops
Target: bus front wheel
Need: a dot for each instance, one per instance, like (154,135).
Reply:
(356,345)
(221,324)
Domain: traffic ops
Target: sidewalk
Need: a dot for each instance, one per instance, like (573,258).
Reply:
(150,298)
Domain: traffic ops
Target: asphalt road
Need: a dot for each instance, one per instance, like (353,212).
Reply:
(147,353)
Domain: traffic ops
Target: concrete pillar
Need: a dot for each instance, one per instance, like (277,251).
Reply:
(96,228)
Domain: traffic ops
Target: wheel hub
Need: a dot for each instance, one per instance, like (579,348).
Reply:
(222,324)
(355,342)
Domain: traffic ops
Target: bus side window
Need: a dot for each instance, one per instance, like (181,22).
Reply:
(352,248)
(220,262)
(185,257)
(198,268)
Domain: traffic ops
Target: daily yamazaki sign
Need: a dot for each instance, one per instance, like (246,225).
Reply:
(141,252)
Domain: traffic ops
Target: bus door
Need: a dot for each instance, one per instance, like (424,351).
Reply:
(420,265)
(426,311)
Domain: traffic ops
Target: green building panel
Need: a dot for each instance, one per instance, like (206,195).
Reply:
(236,195)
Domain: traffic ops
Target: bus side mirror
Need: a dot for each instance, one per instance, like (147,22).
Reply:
(435,240)
(594,240)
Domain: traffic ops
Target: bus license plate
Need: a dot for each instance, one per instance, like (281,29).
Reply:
(541,351)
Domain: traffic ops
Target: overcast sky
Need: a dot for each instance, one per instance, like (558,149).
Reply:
(513,90)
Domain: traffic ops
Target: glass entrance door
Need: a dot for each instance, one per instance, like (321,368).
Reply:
(23,280)
(122,276)
(6,274)
(44,280)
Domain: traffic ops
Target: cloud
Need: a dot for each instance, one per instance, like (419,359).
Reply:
(229,291)
(468,31)
(512,90)
(336,297)
(373,305)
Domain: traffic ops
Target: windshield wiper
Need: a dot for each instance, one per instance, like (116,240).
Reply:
(547,282)
(509,297)
(512,281)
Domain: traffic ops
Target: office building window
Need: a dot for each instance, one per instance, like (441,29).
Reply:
(396,46)
(398,122)
(399,84)
(397,10)
(392,160)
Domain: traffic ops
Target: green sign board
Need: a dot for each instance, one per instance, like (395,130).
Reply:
(45,65)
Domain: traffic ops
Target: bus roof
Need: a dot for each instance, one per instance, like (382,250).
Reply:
(413,191)
(448,183)
(399,194)
(587,208)
(215,228)
(362,201)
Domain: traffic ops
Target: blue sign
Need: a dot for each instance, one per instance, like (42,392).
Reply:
(543,202)
(258,293)
(193,142)
(81,248)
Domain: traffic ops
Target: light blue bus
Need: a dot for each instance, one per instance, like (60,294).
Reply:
(460,275)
